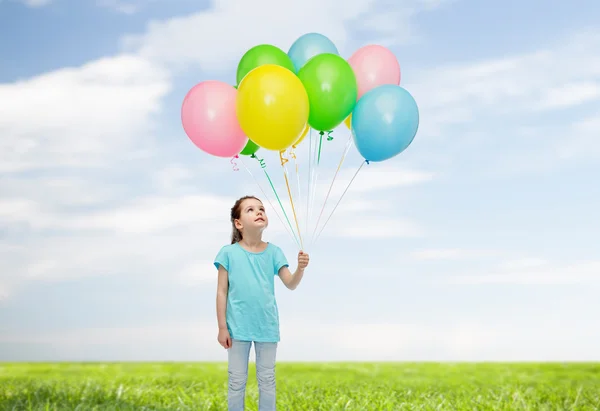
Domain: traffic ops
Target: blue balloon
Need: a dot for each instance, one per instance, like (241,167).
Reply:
(309,45)
(385,121)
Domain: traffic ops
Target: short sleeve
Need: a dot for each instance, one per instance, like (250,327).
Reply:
(222,258)
(279,260)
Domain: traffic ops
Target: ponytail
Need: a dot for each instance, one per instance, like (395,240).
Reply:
(236,236)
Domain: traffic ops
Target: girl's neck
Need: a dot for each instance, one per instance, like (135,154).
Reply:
(252,243)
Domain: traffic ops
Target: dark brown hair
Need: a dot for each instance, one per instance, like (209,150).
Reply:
(236,212)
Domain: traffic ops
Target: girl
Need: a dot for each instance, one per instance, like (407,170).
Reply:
(246,307)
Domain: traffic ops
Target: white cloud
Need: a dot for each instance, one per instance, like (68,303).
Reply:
(451,253)
(158,235)
(196,273)
(363,227)
(4,292)
(36,3)
(485,103)
(217,38)
(375,177)
(81,116)
(72,235)
(525,263)
(568,95)
(582,140)
(526,80)
(153,215)
(123,7)
(534,272)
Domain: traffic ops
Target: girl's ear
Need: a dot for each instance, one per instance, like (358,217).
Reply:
(237,224)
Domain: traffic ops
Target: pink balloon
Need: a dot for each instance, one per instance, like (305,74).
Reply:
(374,66)
(209,120)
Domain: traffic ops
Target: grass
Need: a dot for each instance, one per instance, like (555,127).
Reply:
(334,386)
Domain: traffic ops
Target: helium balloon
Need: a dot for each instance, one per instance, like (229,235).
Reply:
(208,116)
(251,148)
(260,55)
(348,122)
(332,91)
(374,66)
(304,133)
(384,122)
(309,45)
(272,107)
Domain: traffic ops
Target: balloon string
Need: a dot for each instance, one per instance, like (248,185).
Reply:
(348,145)
(287,183)
(342,196)
(264,166)
(314,177)
(314,173)
(320,145)
(268,199)
(310,173)
(292,153)
(233,163)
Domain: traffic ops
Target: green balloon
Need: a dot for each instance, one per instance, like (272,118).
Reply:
(332,90)
(251,148)
(260,55)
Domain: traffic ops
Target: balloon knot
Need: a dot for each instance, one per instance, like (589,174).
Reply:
(260,161)
(282,158)
(368,162)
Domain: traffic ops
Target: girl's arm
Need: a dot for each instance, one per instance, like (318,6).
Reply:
(290,280)
(222,288)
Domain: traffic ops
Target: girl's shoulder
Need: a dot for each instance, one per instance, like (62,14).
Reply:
(226,249)
(273,246)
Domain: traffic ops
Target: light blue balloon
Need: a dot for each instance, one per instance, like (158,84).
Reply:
(385,121)
(309,45)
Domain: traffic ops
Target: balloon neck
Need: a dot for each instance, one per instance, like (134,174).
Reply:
(329,136)
(233,163)
(260,161)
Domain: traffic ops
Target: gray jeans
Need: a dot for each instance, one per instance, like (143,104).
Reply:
(238,356)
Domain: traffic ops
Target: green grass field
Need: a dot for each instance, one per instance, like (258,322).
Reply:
(404,386)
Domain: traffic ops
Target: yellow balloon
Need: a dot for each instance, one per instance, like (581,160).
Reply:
(304,133)
(272,106)
(348,122)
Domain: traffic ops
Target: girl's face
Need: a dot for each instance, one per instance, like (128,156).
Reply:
(252,216)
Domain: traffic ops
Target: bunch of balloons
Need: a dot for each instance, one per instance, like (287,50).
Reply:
(278,96)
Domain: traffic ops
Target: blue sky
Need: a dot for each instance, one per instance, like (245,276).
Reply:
(479,242)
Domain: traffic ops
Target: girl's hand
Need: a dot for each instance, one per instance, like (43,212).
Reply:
(224,338)
(302,260)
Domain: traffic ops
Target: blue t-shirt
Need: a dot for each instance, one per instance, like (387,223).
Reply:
(252,313)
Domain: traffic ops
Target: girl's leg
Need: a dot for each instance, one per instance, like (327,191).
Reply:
(265,374)
(238,355)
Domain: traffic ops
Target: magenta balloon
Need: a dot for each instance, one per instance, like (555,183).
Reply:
(209,119)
